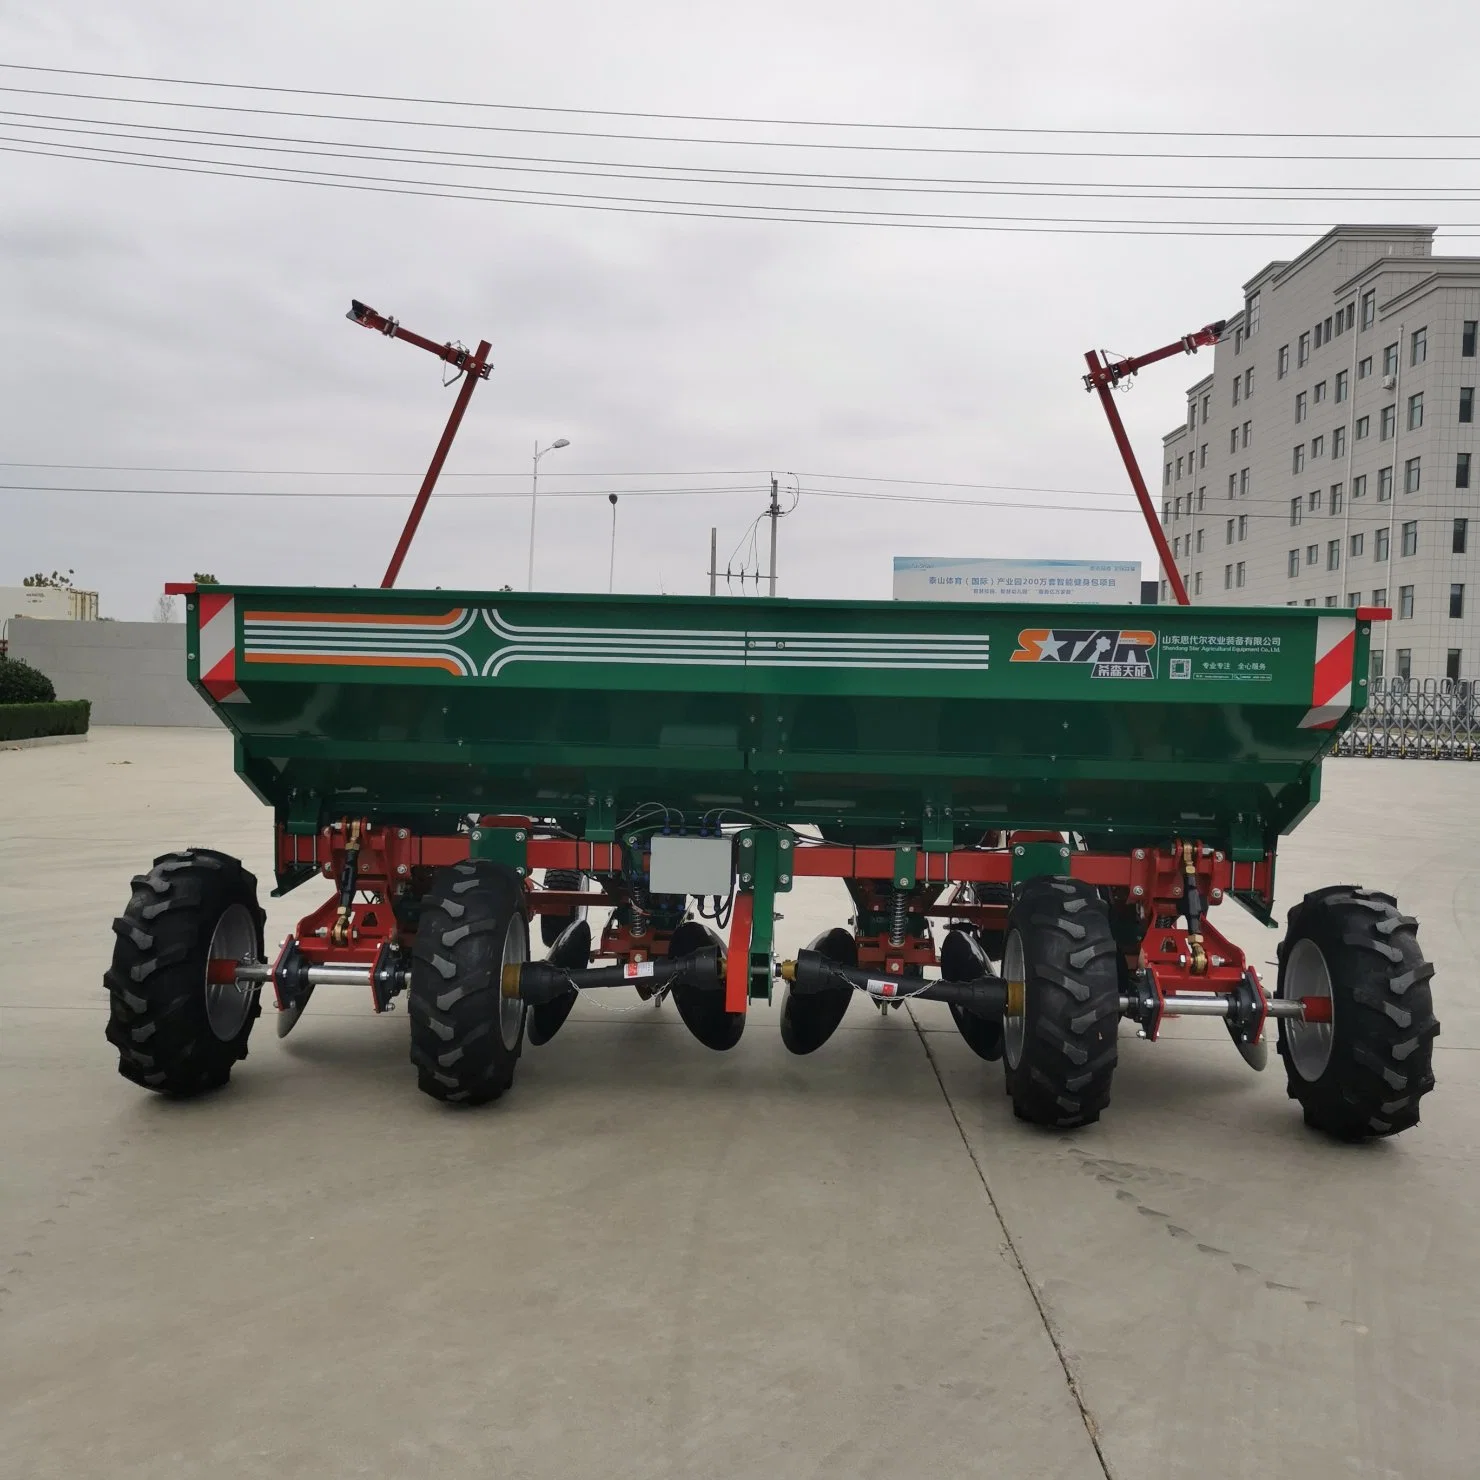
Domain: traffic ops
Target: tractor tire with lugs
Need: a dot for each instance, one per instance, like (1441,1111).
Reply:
(1063,1004)
(1362,1074)
(177,1032)
(466,1036)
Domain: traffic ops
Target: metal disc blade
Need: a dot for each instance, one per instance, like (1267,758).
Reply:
(287,1019)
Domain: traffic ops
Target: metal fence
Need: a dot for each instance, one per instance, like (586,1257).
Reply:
(1417,719)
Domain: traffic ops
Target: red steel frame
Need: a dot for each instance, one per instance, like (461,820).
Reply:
(1150,882)
(1104,375)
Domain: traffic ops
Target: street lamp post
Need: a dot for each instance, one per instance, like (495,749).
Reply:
(534,494)
(611,569)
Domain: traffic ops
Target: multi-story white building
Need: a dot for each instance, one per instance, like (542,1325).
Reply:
(1326,461)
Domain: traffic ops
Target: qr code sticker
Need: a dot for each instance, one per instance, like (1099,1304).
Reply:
(1180,668)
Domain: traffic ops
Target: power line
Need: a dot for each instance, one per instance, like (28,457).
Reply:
(1094,189)
(571,200)
(501,128)
(723,118)
(465,160)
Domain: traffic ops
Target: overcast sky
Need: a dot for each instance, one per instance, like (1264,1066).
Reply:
(169,320)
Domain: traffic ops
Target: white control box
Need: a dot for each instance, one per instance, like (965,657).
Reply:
(691,865)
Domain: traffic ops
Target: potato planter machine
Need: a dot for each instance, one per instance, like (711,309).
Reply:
(1034,809)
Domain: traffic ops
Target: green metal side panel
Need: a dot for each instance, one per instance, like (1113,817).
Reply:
(854,716)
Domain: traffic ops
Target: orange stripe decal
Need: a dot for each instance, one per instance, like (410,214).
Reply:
(355,660)
(387,621)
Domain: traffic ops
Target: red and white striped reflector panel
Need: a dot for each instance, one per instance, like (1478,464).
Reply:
(1331,692)
(218,648)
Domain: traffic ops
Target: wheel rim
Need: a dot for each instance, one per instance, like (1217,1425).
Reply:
(227,1004)
(1309,1044)
(510,1009)
(1014,1011)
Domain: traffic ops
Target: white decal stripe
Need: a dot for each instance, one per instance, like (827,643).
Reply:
(463,623)
(509,629)
(386,655)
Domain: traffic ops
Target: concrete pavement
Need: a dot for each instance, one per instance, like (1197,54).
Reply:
(655,1261)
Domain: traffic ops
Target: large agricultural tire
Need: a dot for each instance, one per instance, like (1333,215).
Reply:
(466,1036)
(176,1032)
(1363,1074)
(552,927)
(1063,1004)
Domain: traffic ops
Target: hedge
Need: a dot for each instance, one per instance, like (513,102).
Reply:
(30,721)
(22,684)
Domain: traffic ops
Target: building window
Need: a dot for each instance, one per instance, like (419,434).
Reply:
(1248,431)
(1251,315)
(1404,663)
(1318,447)
(1228,533)
(1318,392)
(1243,526)
(1202,455)
(1338,442)
(1388,422)
(1238,340)
(1233,439)
(1207,406)
(1379,598)
(1380,546)
(1411,473)
(1415,412)
(1364,425)
(1456,600)
(1461,535)
(1384,484)
(1300,407)
(1467,339)
(1298,459)
(1410,537)
(1312,554)
(1462,470)
(1199,542)
(1369,307)
(1238,574)
(1192,415)
(1333,555)
(1467,403)
(1405,603)
(1282,363)
(1331,600)
(1243,481)
(1302,352)
(1232,484)
(1343,385)
(1228,578)
(1326,330)
(1451,665)
(1315,500)
(1202,494)
(1197,582)
(1359,486)
(1364,368)
(1248,382)
(1336,498)
(1166,477)
(1292,563)
(1179,467)
(1357,542)
(1238,388)
(1419,346)
(1310,601)
(1390,360)
(1375,659)
(1297,510)
(1163,591)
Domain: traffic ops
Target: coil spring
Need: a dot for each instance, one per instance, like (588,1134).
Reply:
(899,917)
(640,917)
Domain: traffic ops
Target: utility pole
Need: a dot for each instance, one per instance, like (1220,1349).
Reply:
(713,557)
(774,514)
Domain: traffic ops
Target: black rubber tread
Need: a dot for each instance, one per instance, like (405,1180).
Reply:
(992,941)
(1071,1005)
(703,1010)
(810,1019)
(157,981)
(963,959)
(1384,1026)
(456,983)
(552,927)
